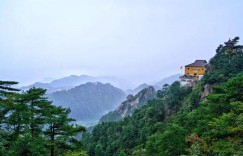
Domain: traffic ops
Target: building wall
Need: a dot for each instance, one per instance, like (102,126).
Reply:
(194,71)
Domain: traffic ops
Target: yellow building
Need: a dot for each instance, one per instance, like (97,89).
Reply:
(196,69)
(193,72)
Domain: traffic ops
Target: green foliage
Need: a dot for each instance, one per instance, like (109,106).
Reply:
(98,150)
(75,153)
(5,87)
(130,135)
(27,145)
(164,143)
(178,122)
(139,151)
(31,125)
(225,64)
(175,94)
(219,120)
(162,93)
(192,101)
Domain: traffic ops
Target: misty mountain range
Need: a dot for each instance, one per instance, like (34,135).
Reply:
(74,80)
(89,97)
(137,89)
(88,102)
(157,85)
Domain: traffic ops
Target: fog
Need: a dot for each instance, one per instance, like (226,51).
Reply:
(136,40)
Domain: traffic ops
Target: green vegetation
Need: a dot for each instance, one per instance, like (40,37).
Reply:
(132,103)
(206,119)
(225,64)
(182,121)
(31,125)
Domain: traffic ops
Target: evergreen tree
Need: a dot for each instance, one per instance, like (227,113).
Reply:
(5,91)
(37,104)
(31,125)
(60,131)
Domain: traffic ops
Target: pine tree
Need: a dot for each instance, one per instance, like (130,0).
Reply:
(5,91)
(60,132)
(37,104)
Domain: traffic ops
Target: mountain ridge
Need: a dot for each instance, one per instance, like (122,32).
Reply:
(132,103)
(89,101)
(62,83)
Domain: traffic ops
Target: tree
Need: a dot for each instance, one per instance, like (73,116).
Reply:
(5,91)
(18,117)
(98,150)
(31,125)
(218,121)
(162,93)
(26,145)
(5,87)
(37,104)
(219,49)
(174,95)
(60,132)
(169,143)
(225,64)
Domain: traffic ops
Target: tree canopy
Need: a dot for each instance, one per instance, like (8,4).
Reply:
(31,125)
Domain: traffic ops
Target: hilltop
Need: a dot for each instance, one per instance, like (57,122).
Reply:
(89,101)
(205,119)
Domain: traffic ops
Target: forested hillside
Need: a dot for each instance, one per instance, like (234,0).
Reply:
(31,126)
(206,119)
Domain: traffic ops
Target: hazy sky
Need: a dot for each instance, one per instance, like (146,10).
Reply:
(137,40)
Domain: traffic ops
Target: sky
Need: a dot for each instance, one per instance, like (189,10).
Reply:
(135,40)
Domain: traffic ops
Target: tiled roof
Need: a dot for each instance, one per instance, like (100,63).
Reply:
(197,63)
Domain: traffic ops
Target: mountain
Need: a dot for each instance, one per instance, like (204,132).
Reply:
(168,80)
(157,85)
(137,89)
(181,122)
(130,105)
(62,83)
(88,102)
(117,82)
(74,80)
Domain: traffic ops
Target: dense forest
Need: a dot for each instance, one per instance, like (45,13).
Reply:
(31,126)
(206,119)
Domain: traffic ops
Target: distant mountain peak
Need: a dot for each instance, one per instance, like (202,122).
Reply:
(89,101)
(75,80)
(130,105)
(168,80)
(137,89)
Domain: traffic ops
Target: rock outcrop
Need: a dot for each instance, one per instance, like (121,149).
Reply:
(130,105)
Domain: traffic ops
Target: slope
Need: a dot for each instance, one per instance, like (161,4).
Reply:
(130,105)
(180,123)
(88,102)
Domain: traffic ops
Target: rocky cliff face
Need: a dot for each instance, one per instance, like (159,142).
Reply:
(206,90)
(130,105)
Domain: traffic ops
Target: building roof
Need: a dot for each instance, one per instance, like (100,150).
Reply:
(197,63)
